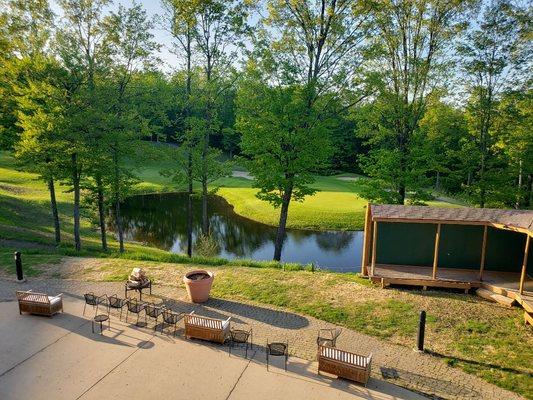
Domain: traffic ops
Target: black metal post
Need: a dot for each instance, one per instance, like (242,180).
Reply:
(18,265)
(421,330)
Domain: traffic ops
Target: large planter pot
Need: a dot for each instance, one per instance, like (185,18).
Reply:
(198,284)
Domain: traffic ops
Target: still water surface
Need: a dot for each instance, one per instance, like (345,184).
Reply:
(160,220)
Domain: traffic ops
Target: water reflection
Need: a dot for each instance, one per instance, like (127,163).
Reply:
(160,220)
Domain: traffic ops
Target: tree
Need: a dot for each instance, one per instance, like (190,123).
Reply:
(514,122)
(492,57)
(81,48)
(180,21)
(410,50)
(443,128)
(41,113)
(130,44)
(304,61)
(219,26)
(25,29)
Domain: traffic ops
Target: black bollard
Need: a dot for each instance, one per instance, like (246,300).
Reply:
(18,265)
(421,330)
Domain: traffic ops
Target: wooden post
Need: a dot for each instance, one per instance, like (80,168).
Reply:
(366,241)
(436,252)
(524,267)
(483,252)
(374,246)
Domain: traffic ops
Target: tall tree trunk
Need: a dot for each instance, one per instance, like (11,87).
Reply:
(76,184)
(118,217)
(101,211)
(205,219)
(519,195)
(190,144)
(437,182)
(53,205)
(401,192)
(280,235)
(529,191)
(205,150)
(482,190)
(119,226)
(189,204)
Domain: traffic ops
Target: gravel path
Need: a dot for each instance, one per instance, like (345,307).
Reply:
(396,364)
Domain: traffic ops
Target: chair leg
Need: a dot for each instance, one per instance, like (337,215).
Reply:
(286,358)
(120,317)
(267,360)
(127,312)
(137,323)
(175,327)
(85,305)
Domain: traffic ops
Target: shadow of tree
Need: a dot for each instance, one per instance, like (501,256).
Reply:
(481,364)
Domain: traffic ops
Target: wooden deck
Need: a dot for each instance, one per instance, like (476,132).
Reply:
(505,283)
(499,282)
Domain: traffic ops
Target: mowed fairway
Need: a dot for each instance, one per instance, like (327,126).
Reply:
(324,210)
(336,206)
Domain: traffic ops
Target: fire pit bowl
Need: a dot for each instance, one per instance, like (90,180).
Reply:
(198,284)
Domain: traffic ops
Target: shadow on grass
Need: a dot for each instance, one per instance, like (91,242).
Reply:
(452,359)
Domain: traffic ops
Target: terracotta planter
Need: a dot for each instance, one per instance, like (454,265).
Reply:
(198,284)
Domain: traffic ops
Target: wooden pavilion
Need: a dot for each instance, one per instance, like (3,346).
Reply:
(461,248)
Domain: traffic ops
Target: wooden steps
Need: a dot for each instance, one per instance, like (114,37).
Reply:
(528,318)
(498,298)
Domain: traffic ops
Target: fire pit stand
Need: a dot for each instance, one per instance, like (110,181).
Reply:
(138,287)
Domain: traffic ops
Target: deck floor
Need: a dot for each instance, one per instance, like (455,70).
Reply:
(505,280)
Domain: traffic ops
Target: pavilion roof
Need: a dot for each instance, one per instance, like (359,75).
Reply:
(519,219)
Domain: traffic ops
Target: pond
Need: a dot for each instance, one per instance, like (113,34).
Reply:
(160,220)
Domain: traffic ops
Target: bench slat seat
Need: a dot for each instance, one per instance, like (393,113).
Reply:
(205,328)
(39,303)
(344,364)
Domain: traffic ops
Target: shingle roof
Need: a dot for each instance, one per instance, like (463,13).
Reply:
(513,218)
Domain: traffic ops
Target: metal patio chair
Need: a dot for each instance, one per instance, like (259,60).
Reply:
(135,307)
(93,300)
(241,336)
(278,349)
(170,318)
(152,311)
(328,337)
(117,303)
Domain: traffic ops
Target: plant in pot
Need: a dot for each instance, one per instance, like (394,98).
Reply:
(198,284)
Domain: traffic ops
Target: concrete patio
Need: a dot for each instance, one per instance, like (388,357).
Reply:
(60,358)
